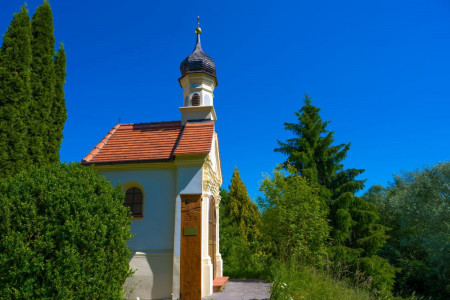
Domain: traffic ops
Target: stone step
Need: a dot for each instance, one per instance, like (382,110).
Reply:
(219,284)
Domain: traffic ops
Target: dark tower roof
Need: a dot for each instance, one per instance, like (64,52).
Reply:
(198,61)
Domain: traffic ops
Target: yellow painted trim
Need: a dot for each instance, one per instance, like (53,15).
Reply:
(190,160)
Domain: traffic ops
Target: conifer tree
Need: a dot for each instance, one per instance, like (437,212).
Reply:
(354,229)
(59,111)
(311,152)
(240,210)
(43,142)
(15,94)
(239,231)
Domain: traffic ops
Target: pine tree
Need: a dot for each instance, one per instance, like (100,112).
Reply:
(311,152)
(59,111)
(15,94)
(354,230)
(43,142)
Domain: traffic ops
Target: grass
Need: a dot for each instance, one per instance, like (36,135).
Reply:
(303,282)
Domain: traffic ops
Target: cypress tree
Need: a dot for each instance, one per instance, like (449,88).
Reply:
(241,212)
(43,143)
(240,231)
(15,94)
(59,111)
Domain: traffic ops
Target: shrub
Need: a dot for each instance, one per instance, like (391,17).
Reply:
(294,219)
(416,206)
(63,234)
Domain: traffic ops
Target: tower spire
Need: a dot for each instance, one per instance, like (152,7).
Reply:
(198,80)
(198,31)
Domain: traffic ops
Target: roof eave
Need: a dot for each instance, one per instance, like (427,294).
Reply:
(87,163)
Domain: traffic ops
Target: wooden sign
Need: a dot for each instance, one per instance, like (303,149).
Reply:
(190,230)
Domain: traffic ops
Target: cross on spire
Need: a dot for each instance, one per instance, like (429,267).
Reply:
(198,30)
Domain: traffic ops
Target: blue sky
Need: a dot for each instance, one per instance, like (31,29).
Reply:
(379,70)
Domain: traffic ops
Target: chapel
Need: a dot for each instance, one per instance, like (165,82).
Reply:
(171,175)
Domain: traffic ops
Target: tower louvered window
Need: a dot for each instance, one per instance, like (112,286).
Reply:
(196,100)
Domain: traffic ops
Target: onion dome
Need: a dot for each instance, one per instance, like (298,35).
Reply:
(198,61)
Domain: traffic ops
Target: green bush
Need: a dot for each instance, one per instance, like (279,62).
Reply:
(243,259)
(63,234)
(416,206)
(294,219)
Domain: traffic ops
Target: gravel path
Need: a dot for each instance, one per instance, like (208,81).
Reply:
(243,289)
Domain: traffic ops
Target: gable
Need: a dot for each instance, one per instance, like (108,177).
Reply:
(215,157)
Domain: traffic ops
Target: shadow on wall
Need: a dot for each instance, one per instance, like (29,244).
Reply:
(152,278)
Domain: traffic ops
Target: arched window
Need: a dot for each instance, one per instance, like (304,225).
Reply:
(134,200)
(196,100)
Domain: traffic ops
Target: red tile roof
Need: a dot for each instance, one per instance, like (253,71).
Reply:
(151,141)
(196,138)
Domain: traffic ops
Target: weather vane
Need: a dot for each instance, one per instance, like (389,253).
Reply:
(198,30)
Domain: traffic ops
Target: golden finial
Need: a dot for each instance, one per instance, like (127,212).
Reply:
(198,30)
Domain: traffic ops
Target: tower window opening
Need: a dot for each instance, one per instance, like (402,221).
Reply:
(196,100)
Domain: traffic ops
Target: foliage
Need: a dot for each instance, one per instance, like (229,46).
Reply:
(378,273)
(355,229)
(239,232)
(47,115)
(58,114)
(32,106)
(293,281)
(15,94)
(63,235)
(417,207)
(295,223)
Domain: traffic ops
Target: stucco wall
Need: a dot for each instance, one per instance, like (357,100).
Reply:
(156,245)
(154,232)
(153,241)
(152,279)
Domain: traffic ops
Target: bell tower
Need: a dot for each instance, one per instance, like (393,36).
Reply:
(198,80)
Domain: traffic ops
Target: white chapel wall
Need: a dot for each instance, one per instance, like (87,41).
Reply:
(153,242)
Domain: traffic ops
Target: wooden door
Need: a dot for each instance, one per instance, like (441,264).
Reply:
(212,234)
(191,251)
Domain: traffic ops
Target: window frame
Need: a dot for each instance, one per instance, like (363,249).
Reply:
(142,203)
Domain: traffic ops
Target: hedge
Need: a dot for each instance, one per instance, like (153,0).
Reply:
(63,234)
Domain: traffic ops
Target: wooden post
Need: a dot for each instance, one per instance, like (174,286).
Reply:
(191,251)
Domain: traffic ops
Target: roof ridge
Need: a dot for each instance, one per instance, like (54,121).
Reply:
(177,142)
(102,143)
(151,123)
